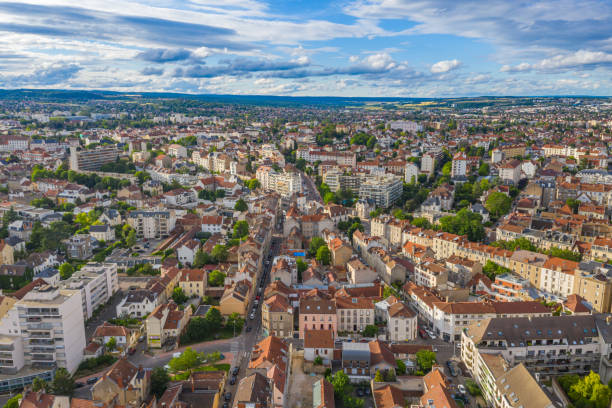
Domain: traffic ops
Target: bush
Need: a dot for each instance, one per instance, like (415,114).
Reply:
(472,387)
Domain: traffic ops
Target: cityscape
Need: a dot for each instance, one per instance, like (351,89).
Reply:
(260,204)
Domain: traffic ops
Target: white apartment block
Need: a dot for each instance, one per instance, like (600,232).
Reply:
(406,126)
(428,163)
(96,283)
(137,303)
(459,165)
(152,224)
(411,173)
(45,330)
(383,190)
(313,155)
(286,183)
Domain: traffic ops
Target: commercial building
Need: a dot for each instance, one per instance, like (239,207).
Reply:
(92,159)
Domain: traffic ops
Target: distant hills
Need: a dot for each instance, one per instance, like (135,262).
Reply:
(390,102)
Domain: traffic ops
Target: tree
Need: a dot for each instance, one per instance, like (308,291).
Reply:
(188,360)
(370,331)
(214,319)
(13,402)
(130,239)
(219,253)
(216,278)
(446,169)
(178,295)
(491,270)
(401,367)
(425,360)
(66,270)
(241,205)
(301,267)
(235,321)
(253,184)
(111,344)
(341,383)
(63,383)
(159,381)
(483,170)
(318,360)
(324,255)
(241,229)
(201,259)
(39,385)
(464,223)
(378,377)
(390,375)
(315,244)
(498,204)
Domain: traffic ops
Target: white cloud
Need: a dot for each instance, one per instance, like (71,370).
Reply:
(578,59)
(445,66)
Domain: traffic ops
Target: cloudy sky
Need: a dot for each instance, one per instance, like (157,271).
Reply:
(422,48)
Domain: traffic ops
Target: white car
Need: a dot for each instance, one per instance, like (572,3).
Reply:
(177,354)
(461,388)
(252,316)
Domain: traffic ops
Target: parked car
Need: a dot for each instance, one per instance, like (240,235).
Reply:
(141,339)
(359,392)
(235,371)
(228,396)
(232,381)
(249,328)
(79,384)
(131,351)
(461,388)
(92,380)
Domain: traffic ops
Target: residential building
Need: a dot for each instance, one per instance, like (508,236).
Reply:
(92,159)
(459,165)
(547,346)
(383,190)
(319,343)
(318,315)
(79,246)
(137,303)
(402,323)
(97,283)
(354,314)
(123,384)
(165,324)
(151,224)
(193,282)
(277,316)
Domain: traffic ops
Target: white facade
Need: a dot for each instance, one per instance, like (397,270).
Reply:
(48,326)
(556,282)
(411,172)
(137,303)
(428,163)
(96,283)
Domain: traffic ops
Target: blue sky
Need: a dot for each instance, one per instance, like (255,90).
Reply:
(420,48)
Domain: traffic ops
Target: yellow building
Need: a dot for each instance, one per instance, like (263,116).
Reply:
(235,300)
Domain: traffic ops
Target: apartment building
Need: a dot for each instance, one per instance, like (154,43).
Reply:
(401,323)
(313,155)
(50,322)
(354,314)
(96,282)
(510,171)
(557,276)
(459,165)
(277,316)
(428,163)
(547,346)
(411,173)
(193,282)
(383,190)
(151,224)
(92,159)
(592,281)
(318,315)
(286,183)
(431,275)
